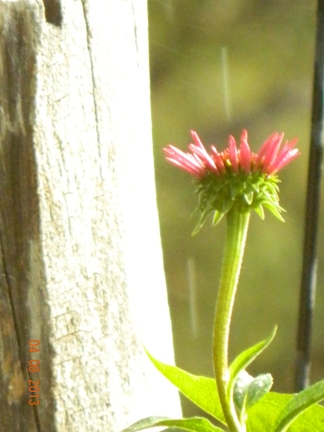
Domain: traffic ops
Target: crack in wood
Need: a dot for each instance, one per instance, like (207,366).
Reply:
(93,78)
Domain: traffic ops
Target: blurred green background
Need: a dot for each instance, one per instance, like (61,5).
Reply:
(218,66)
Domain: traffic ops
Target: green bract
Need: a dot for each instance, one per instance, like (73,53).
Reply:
(245,192)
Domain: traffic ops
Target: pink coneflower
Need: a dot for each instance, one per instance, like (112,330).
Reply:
(269,160)
(236,177)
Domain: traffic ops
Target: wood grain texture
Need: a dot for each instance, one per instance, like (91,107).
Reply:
(81,259)
(23,292)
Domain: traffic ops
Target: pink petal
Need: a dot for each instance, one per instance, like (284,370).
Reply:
(245,153)
(203,156)
(184,161)
(199,162)
(286,155)
(218,159)
(196,139)
(233,153)
(270,150)
(267,145)
(286,160)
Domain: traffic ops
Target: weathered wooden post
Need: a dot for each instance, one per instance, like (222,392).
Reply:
(81,275)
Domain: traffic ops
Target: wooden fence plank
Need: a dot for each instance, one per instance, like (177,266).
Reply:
(82,267)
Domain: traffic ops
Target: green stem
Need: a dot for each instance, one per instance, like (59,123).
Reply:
(237,227)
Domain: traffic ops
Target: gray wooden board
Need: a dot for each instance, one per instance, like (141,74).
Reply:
(81,259)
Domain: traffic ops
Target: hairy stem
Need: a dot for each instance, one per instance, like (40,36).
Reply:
(237,227)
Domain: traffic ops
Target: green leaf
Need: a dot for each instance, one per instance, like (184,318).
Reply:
(297,405)
(199,389)
(239,364)
(194,424)
(245,358)
(262,416)
(248,390)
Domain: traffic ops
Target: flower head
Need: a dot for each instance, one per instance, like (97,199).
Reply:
(235,177)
